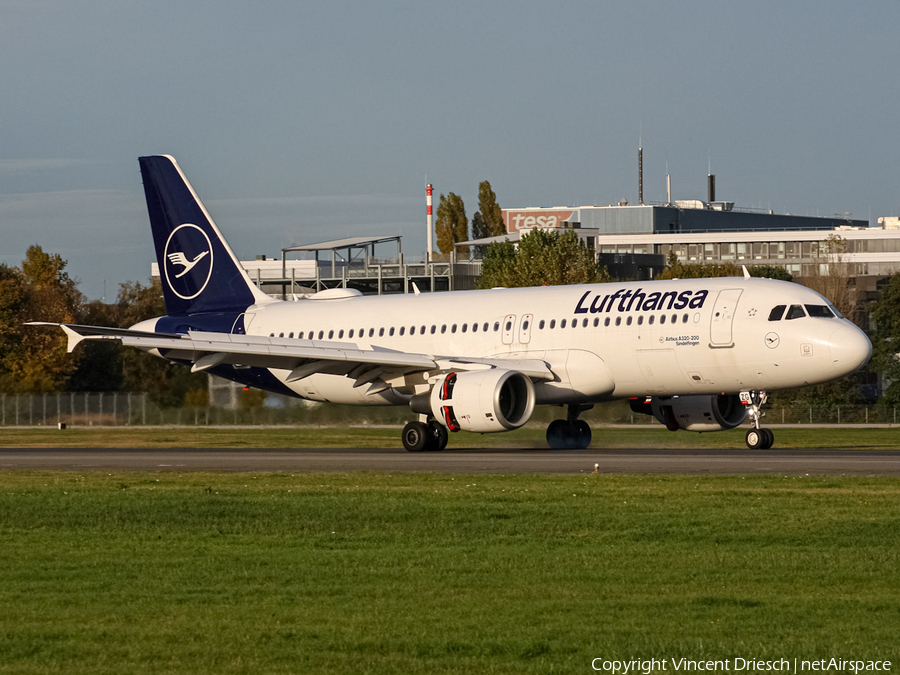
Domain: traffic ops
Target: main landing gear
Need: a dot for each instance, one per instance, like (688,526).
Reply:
(420,436)
(757,437)
(570,433)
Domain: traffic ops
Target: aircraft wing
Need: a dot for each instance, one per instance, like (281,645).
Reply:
(301,357)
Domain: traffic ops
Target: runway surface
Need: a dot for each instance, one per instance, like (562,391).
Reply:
(699,462)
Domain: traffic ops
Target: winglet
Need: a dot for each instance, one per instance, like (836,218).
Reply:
(746,271)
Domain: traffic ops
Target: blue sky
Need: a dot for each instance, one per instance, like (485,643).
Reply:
(301,122)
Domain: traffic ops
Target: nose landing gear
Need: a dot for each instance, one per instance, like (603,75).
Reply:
(757,438)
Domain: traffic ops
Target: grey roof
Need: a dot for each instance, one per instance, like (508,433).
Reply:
(349,242)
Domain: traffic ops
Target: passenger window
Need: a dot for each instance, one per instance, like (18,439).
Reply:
(321,334)
(795,312)
(552,323)
(651,320)
(684,318)
(641,320)
(453,328)
(596,322)
(300,335)
(662,319)
(525,325)
(584,324)
(509,325)
(350,335)
(465,327)
(541,325)
(281,335)
(474,327)
(777,312)
(628,321)
(485,327)
(443,329)
(562,324)
(819,311)
(402,330)
(391,331)
(433,328)
(496,326)
(371,332)
(606,321)
(618,320)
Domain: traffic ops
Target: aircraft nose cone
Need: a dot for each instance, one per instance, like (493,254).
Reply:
(850,348)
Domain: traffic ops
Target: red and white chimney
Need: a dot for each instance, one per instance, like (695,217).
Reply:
(429,222)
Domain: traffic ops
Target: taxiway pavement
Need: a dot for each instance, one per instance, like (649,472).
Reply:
(698,462)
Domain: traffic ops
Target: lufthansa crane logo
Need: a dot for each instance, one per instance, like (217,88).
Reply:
(188,261)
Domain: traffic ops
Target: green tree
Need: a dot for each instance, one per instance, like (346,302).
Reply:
(489,210)
(41,364)
(885,315)
(676,269)
(543,258)
(167,383)
(12,302)
(770,271)
(488,220)
(100,364)
(452,225)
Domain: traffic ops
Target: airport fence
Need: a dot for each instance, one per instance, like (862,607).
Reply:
(138,409)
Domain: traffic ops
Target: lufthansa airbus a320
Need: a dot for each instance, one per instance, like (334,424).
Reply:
(697,354)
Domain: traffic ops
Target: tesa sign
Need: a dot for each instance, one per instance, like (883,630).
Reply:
(516,220)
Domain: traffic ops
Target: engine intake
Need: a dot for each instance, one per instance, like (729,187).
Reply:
(717,412)
(483,401)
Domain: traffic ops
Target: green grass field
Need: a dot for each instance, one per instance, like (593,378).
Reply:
(858,438)
(378,573)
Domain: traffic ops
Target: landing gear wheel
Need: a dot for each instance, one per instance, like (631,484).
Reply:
(417,437)
(583,431)
(756,439)
(770,438)
(440,435)
(559,435)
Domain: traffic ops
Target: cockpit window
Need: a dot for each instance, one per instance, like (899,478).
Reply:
(795,312)
(820,311)
(777,313)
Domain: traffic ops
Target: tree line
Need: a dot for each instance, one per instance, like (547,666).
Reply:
(33,360)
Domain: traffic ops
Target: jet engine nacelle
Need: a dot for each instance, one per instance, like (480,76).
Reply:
(483,401)
(700,413)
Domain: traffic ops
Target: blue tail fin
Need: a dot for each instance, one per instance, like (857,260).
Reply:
(198,270)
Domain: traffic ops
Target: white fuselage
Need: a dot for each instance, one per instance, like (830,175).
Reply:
(601,341)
